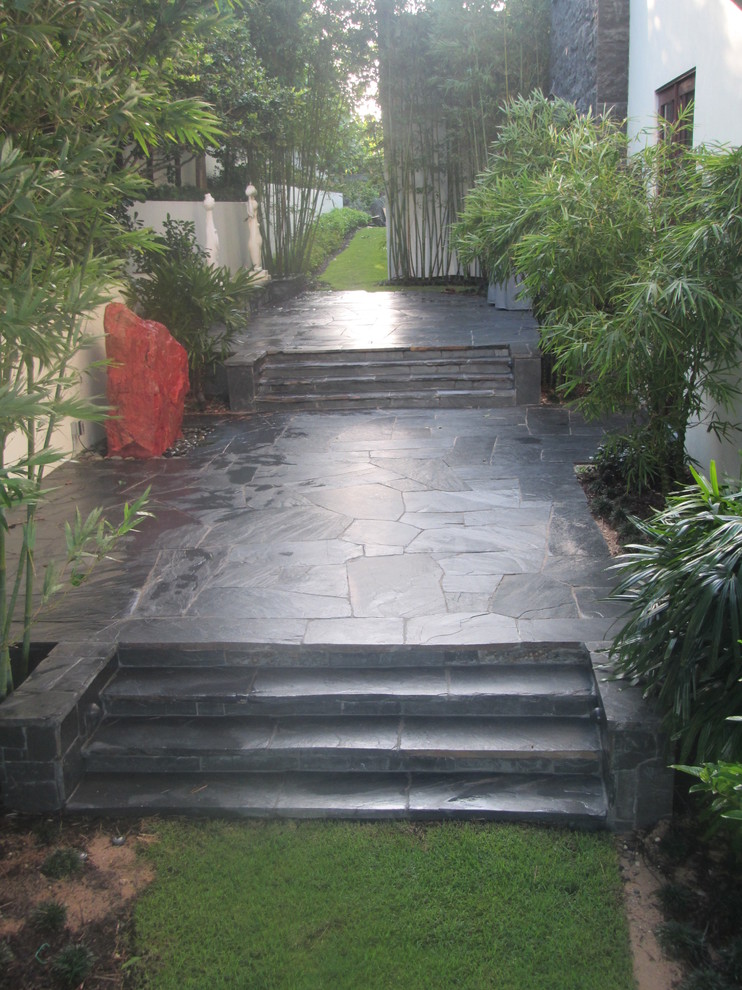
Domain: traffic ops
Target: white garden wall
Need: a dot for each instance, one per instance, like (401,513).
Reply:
(229,219)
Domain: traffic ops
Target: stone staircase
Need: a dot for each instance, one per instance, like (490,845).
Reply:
(451,377)
(510,732)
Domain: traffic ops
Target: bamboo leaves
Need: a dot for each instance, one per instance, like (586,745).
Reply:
(74,93)
(632,263)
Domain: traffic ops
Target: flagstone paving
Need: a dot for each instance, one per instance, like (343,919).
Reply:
(408,526)
(449,526)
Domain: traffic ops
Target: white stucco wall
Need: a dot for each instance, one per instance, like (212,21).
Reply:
(229,219)
(70,436)
(669,38)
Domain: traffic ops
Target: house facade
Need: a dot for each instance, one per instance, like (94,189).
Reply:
(682,50)
(646,60)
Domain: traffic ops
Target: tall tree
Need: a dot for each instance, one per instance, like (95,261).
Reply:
(447,67)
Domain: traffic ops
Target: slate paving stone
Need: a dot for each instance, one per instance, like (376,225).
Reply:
(387,587)
(361,501)
(362,523)
(478,539)
(358,630)
(461,628)
(527,596)
(275,603)
(380,533)
(434,474)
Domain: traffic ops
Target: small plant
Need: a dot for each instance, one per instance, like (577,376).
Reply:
(49,916)
(72,965)
(62,863)
(682,587)
(202,306)
(46,831)
(723,782)
(6,957)
(705,979)
(677,900)
(730,959)
(681,940)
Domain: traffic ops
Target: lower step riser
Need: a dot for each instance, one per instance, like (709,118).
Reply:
(329,761)
(534,706)
(549,656)
(333,386)
(471,400)
(566,801)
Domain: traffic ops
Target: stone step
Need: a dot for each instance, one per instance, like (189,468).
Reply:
(388,371)
(577,801)
(431,399)
(404,355)
(354,384)
(270,655)
(526,689)
(232,744)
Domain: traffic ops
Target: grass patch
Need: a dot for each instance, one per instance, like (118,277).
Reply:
(347,905)
(362,265)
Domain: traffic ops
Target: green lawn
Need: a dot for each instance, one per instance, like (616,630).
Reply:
(352,906)
(362,265)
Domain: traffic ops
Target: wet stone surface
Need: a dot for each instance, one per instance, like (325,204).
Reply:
(412,526)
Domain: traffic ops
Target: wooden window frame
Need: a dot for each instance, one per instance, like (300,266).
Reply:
(673,97)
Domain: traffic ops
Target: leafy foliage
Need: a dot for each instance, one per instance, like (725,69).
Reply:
(683,592)
(632,263)
(202,305)
(723,782)
(284,77)
(80,83)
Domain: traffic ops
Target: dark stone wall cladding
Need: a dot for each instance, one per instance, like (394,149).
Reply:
(45,722)
(613,56)
(574,51)
(590,53)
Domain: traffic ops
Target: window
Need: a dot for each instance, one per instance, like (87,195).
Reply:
(671,101)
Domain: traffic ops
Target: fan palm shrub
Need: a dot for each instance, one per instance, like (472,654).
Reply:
(682,587)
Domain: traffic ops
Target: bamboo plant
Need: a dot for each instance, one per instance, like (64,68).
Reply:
(70,105)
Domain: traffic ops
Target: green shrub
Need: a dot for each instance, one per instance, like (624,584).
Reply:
(723,783)
(631,259)
(202,306)
(49,916)
(681,940)
(62,863)
(683,591)
(72,965)
(330,231)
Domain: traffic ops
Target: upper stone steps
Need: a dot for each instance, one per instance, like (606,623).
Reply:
(442,377)
(275,655)
(563,689)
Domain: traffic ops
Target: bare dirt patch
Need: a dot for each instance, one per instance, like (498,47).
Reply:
(642,881)
(97,898)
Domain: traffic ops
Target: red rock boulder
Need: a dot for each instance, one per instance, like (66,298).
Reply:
(147,384)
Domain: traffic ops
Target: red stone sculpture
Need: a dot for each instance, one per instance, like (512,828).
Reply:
(147,384)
